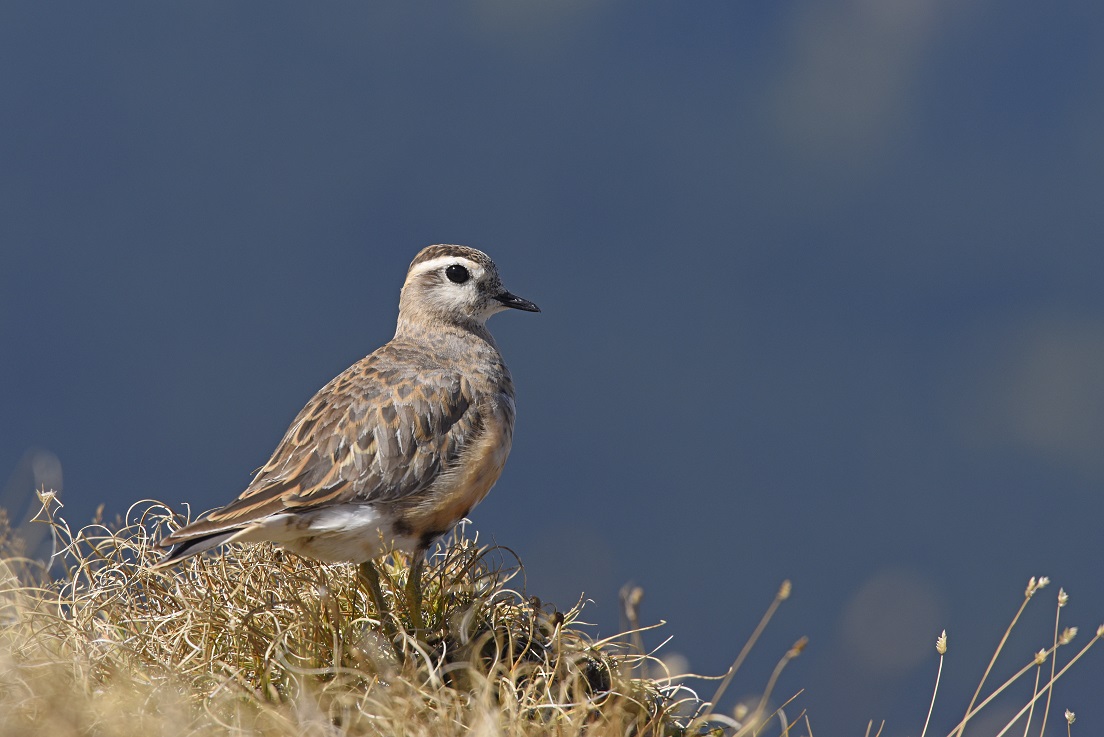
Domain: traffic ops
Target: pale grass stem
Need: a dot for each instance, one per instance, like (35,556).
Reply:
(1035,690)
(941,648)
(783,593)
(1063,597)
(1050,683)
(1033,585)
(753,720)
(1036,662)
(631,596)
(870,726)
(788,727)
(781,714)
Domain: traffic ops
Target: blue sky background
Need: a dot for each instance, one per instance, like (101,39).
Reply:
(821,287)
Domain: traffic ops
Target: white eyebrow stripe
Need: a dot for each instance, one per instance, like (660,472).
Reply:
(436,263)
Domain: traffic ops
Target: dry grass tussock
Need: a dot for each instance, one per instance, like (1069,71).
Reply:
(257,642)
(261,642)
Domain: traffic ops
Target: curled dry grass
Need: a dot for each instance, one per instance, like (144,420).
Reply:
(258,642)
(262,642)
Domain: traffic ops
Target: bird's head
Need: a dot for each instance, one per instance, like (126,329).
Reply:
(457,285)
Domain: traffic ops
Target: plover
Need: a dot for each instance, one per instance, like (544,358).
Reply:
(401,445)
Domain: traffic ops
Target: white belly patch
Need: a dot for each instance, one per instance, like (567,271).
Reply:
(347,532)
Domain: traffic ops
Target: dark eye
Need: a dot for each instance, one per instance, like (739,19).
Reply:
(457,274)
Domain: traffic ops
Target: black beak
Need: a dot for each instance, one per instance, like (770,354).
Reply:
(512,300)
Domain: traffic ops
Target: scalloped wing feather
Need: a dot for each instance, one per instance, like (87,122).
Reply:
(379,432)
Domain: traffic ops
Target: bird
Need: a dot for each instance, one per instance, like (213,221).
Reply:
(397,448)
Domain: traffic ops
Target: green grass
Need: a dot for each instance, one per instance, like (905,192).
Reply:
(260,642)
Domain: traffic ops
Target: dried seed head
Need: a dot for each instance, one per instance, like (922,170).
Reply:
(1100,631)
(1034,584)
(631,596)
(1040,657)
(1063,597)
(797,647)
(1067,635)
(784,590)
(1070,717)
(941,643)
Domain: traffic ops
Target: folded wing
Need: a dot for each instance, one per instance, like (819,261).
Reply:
(373,434)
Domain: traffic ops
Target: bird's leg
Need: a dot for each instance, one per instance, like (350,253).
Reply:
(414,590)
(370,576)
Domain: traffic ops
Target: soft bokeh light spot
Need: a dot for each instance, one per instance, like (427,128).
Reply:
(888,623)
(1042,391)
